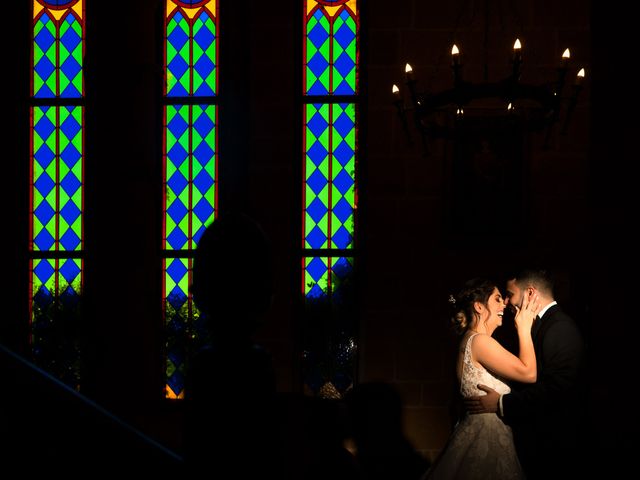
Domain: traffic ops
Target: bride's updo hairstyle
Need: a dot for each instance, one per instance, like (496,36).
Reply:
(474,290)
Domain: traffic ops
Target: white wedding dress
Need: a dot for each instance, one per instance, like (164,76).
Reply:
(481,445)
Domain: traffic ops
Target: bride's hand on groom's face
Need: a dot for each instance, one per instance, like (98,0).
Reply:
(526,315)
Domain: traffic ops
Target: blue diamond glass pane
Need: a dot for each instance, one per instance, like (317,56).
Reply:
(177,38)
(343,153)
(343,124)
(177,183)
(44,68)
(70,155)
(317,181)
(317,268)
(341,238)
(44,127)
(43,271)
(177,298)
(177,238)
(177,155)
(70,240)
(203,153)
(70,127)
(317,153)
(44,156)
(203,210)
(316,238)
(344,35)
(177,270)
(342,210)
(70,270)
(44,39)
(318,64)
(203,124)
(44,212)
(343,182)
(70,184)
(44,184)
(318,34)
(70,212)
(204,37)
(203,181)
(317,210)
(177,125)
(177,210)
(317,124)
(44,240)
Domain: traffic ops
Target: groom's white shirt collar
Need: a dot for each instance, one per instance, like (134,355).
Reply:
(542,311)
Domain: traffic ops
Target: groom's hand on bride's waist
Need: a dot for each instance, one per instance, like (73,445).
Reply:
(482,403)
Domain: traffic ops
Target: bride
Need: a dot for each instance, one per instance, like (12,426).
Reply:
(481,446)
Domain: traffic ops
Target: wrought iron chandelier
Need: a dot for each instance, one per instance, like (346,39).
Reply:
(535,107)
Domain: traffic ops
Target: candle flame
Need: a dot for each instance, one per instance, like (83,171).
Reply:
(581,73)
(395,89)
(455,50)
(408,69)
(517,45)
(567,54)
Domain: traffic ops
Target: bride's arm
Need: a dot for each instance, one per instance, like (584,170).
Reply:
(494,357)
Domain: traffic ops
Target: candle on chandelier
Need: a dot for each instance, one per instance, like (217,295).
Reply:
(455,55)
(517,51)
(566,55)
(395,91)
(408,71)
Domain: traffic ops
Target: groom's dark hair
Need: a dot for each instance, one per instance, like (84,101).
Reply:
(540,278)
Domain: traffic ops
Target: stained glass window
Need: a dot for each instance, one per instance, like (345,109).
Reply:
(56,187)
(330,119)
(190,166)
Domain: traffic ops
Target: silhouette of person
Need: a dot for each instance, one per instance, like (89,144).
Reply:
(230,383)
(382,449)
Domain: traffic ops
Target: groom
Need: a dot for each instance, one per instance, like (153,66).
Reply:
(546,416)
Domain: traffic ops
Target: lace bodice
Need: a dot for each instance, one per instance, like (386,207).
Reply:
(473,375)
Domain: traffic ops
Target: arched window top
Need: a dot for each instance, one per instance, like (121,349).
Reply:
(331,48)
(191,9)
(58,49)
(191,49)
(331,7)
(57,4)
(191,3)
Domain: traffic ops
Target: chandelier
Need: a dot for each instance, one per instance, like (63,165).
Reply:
(534,107)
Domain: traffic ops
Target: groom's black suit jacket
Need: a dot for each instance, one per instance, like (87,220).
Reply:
(547,416)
